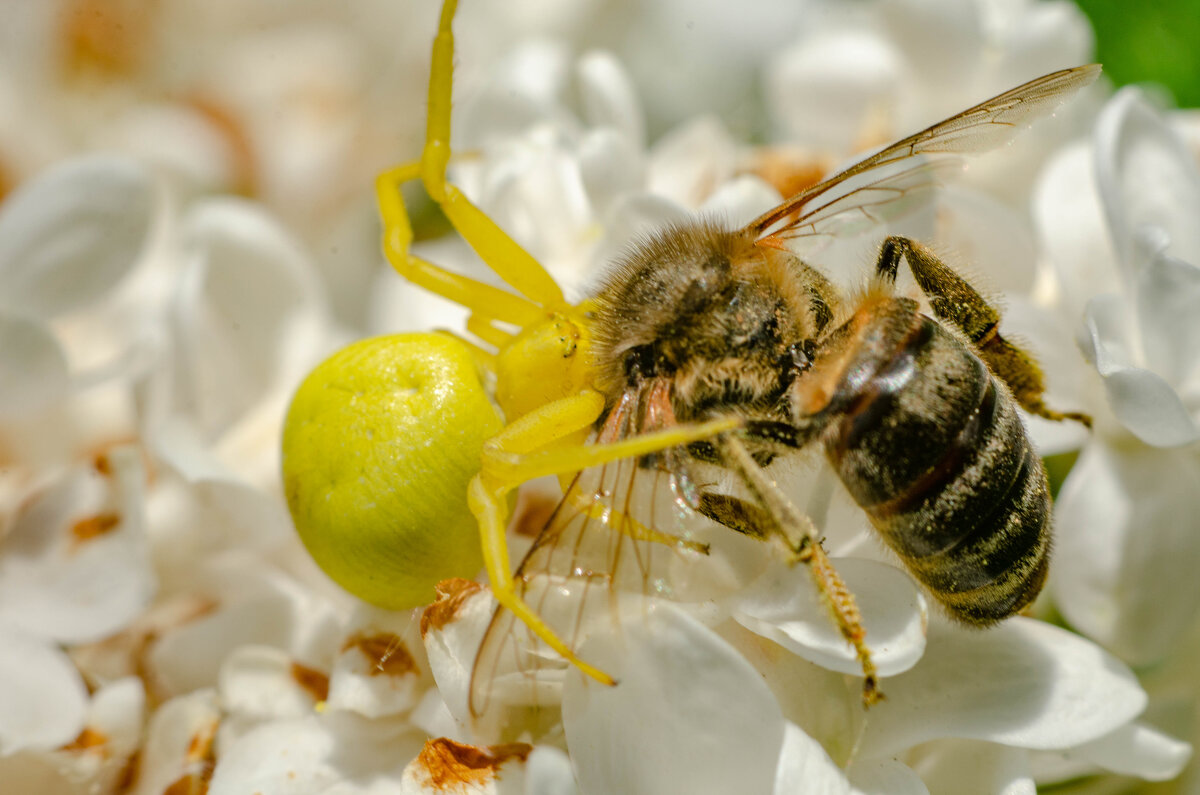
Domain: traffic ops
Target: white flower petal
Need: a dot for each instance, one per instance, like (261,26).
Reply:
(33,367)
(179,744)
(70,235)
(452,628)
(248,311)
(432,717)
(1041,37)
(941,39)
(725,740)
(523,90)
(43,701)
(262,683)
(1107,338)
(1126,548)
(990,241)
(280,757)
(1146,177)
(1142,400)
(785,606)
(949,767)
(258,606)
(1024,683)
(805,767)
(1136,750)
(179,139)
(1168,294)
(75,565)
(97,760)
(608,96)
(375,674)
(740,200)
(885,777)
(1148,406)
(633,216)
(1072,229)
(330,754)
(610,166)
(539,199)
(1048,336)
(117,714)
(827,706)
(548,772)
(830,91)
(688,163)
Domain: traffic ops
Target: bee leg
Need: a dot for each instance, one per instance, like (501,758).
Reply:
(502,254)
(799,536)
(530,448)
(956,302)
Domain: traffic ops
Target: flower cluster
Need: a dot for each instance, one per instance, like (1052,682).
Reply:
(162,629)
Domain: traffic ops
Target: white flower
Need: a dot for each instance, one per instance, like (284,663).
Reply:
(151,336)
(1122,514)
(863,76)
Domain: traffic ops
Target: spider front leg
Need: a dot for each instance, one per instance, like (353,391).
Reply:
(530,448)
(501,253)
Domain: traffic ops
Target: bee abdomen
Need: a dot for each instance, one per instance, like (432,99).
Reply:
(941,464)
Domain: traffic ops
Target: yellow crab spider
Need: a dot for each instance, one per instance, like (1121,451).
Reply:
(394,499)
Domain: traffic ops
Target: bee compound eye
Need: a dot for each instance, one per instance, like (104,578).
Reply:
(801,354)
(641,362)
(379,444)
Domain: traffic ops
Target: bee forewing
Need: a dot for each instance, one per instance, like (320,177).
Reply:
(985,126)
(871,199)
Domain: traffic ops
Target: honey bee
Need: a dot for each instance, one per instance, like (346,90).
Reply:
(714,347)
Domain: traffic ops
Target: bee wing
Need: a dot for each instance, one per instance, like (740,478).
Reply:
(591,561)
(885,180)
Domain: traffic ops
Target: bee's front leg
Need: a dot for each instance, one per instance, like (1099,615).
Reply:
(776,516)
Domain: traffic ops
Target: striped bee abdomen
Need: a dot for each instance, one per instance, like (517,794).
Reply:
(930,444)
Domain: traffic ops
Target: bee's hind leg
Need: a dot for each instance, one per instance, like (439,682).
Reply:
(956,302)
(777,517)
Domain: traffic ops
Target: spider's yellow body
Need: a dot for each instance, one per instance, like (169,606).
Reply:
(543,378)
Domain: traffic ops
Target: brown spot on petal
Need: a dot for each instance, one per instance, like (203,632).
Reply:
(105,37)
(125,779)
(8,180)
(311,680)
(200,746)
(789,171)
(102,464)
(233,131)
(87,740)
(450,597)
(127,653)
(385,652)
(189,784)
(451,766)
(93,527)
(102,461)
(198,764)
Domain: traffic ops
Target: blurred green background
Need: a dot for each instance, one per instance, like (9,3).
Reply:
(1156,41)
